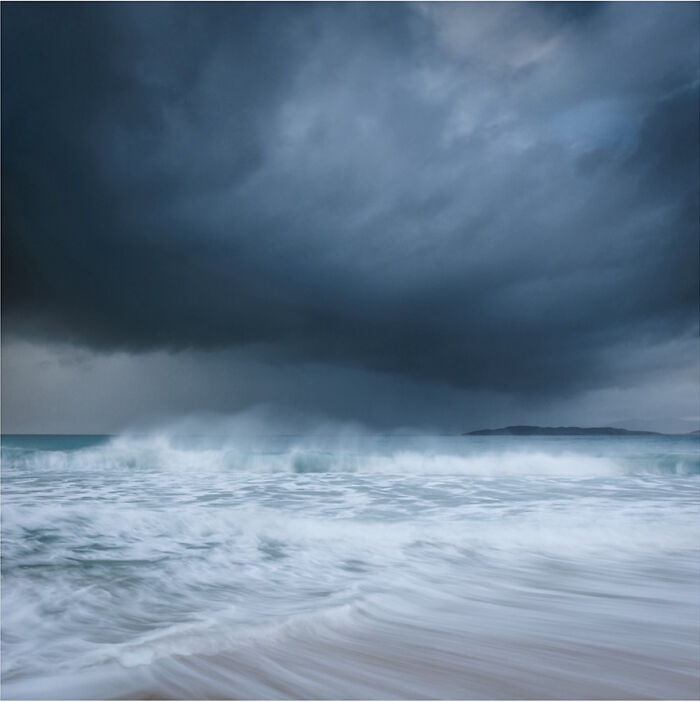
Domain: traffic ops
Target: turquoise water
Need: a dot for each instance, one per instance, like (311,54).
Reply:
(350,567)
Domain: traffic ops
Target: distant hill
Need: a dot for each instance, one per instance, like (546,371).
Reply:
(559,431)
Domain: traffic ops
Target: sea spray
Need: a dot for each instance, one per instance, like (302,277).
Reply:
(356,565)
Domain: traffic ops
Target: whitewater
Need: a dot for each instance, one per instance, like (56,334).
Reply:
(170,566)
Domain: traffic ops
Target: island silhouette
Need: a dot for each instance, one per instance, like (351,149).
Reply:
(524,430)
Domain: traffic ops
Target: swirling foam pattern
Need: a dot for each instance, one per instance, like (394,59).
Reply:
(353,567)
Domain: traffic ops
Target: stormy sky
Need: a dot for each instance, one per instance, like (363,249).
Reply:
(443,216)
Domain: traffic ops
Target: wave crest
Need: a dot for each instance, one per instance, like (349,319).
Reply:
(452,456)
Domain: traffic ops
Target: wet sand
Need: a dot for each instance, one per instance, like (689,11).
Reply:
(357,653)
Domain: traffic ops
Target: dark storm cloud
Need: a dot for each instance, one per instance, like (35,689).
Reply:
(492,196)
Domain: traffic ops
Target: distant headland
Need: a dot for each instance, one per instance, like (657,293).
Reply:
(559,431)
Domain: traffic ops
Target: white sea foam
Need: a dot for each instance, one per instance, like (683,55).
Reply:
(452,456)
(372,554)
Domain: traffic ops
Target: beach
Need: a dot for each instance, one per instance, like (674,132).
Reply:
(160,567)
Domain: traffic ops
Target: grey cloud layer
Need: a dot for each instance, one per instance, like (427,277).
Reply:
(499,197)
(59,388)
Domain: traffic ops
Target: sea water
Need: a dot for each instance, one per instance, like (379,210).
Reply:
(362,567)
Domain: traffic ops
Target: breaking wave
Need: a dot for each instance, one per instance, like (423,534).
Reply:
(170,566)
(456,456)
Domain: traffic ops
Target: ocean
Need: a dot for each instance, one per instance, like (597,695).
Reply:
(350,567)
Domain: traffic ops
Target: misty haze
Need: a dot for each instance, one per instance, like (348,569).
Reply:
(350,350)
